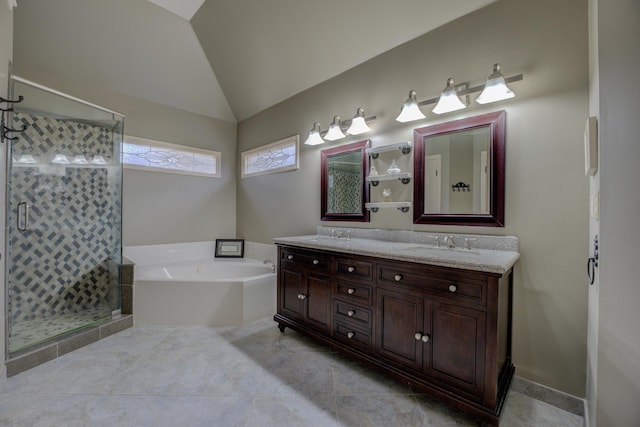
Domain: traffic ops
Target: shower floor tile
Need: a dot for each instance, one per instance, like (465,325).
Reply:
(29,332)
(251,375)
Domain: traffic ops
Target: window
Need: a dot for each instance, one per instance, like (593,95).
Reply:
(278,156)
(146,154)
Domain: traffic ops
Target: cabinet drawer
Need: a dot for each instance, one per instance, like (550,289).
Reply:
(354,269)
(359,293)
(450,286)
(304,259)
(352,336)
(348,313)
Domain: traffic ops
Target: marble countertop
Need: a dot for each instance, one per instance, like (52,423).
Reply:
(476,259)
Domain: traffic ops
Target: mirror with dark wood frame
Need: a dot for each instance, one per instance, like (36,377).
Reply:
(343,189)
(459,172)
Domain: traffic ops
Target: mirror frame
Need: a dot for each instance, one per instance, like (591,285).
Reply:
(495,217)
(363,215)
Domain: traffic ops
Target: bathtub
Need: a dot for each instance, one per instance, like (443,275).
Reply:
(183,284)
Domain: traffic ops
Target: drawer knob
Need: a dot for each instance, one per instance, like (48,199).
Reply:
(301,296)
(425,338)
(418,336)
(350,335)
(316,262)
(351,291)
(351,269)
(289,257)
(397,277)
(453,288)
(350,313)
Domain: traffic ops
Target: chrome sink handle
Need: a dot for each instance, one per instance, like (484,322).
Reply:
(449,240)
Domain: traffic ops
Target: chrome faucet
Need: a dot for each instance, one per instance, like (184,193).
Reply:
(271,263)
(449,240)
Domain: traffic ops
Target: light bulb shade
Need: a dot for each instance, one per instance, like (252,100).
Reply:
(334,131)
(26,159)
(80,159)
(60,159)
(314,135)
(449,100)
(495,89)
(358,124)
(410,110)
(98,160)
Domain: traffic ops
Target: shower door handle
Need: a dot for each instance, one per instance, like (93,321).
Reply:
(23,213)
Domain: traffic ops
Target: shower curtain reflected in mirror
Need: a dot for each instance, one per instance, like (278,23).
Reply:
(64,191)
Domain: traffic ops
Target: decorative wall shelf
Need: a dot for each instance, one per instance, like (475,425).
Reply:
(404,147)
(401,206)
(404,177)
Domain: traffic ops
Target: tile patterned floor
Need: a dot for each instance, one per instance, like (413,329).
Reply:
(239,376)
(28,332)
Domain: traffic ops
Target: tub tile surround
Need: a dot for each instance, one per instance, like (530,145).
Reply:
(184,284)
(493,254)
(251,375)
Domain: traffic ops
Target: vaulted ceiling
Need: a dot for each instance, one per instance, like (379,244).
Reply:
(227,59)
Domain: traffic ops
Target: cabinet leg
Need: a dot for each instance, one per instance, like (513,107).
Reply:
(281,327)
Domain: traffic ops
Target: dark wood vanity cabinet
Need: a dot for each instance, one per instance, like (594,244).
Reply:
(304,288)
(443,331)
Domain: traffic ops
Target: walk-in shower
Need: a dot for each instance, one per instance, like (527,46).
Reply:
(63,215)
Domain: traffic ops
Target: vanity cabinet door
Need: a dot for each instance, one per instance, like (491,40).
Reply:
(290,303)
(455,351)
(317,300)
(400,327)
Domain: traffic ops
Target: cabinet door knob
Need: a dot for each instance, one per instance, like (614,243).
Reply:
(351,291)
(289,257)
(425,338)
(301,296)
(453,288)
(316,262)
(418,336)
(350,335)
(397,277)
(351,269)
(350,313)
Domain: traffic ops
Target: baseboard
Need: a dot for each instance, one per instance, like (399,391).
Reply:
(559,399)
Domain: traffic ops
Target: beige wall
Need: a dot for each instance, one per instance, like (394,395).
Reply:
(159,207)
(615,324)
(546,190)
(6,47)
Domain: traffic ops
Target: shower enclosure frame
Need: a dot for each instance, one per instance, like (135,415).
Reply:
(117,117)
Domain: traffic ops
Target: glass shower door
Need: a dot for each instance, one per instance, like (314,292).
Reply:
(64,184)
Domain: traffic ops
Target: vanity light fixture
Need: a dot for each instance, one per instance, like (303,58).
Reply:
(358,123)
(334,132)
(355,126)
(410,110)
(314,135)
(449,100)
(495,89)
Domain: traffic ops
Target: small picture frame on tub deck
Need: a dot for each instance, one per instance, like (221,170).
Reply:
(229,248)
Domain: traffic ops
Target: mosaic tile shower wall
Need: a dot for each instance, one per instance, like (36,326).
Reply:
(345,195)
(64,262)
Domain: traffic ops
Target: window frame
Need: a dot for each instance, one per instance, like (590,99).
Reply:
(128,139)
(295,139)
